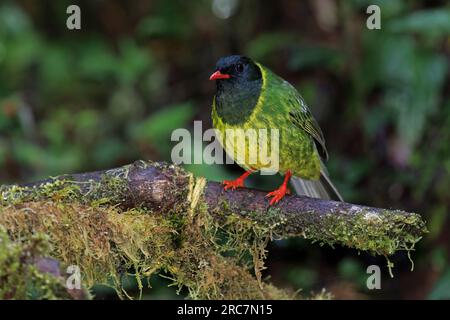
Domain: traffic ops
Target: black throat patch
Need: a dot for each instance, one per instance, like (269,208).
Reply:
(236,98)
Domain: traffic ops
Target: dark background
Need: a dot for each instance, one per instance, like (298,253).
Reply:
(113,92)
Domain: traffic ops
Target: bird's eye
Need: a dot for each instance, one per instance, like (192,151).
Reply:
(239,67)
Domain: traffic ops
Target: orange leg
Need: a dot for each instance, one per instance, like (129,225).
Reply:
(239,182)
(281,191)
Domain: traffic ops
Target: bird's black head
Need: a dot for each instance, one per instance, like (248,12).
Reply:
(236,69)
(239,82)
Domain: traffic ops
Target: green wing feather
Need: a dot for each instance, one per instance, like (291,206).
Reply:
(288,99)
(303,118)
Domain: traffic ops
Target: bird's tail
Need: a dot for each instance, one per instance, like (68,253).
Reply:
(322,188)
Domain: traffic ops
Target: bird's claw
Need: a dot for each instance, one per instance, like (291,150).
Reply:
(233,184)
(278,194)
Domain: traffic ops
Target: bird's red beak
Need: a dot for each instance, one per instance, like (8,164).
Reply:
(218,75)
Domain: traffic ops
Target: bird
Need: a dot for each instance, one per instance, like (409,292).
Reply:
(251,96)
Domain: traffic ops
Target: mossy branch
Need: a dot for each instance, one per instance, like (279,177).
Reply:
(162,188)
(25,271)
(148,197)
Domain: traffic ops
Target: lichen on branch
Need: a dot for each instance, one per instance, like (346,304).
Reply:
(154,217)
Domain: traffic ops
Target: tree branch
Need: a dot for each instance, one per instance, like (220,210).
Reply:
(161,188)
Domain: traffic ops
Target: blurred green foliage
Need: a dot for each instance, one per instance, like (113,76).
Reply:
(114,91)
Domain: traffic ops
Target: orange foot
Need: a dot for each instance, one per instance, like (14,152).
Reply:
(233,184)
(281,191)
(278,194)
(238,183)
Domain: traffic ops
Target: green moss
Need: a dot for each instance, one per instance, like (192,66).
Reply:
(110,189)
(383,233)
(104,241)
(209,260)
(19,278)
(101,241)
(214,254)
(379,233)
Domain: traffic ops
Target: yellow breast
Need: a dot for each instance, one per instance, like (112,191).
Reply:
(249,145)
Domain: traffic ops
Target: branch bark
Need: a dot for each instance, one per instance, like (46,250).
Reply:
(161,187)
